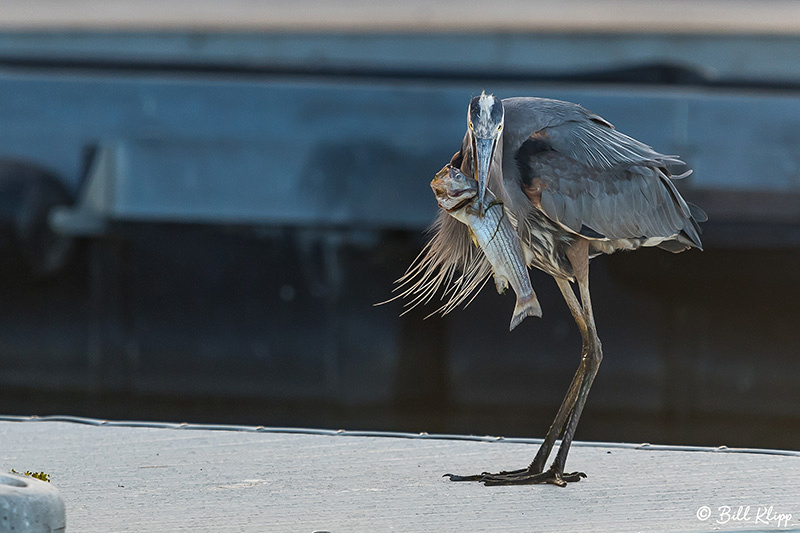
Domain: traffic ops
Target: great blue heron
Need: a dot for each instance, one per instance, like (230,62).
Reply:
(576,188)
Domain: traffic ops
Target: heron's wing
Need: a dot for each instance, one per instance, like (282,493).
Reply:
(575,132)
(605,185)
(592,179)
(589,139)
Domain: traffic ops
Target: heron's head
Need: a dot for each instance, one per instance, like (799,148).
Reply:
(485,127)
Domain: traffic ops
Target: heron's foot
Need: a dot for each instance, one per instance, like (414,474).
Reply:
(525,476)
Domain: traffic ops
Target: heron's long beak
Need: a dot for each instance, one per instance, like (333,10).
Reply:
(484,151)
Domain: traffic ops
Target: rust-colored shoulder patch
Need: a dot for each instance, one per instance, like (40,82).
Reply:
(534,192)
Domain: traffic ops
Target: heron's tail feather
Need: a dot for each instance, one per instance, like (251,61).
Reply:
(449,263)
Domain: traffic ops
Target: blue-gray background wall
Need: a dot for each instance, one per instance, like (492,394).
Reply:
(196,225)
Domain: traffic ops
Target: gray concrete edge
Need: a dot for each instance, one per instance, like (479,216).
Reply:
(385,434)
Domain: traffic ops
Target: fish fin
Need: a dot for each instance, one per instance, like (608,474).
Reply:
(528,306)
(500,283)
(473,238)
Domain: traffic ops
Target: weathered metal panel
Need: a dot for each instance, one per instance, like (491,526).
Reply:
(285,315)
(277,151)
(733,56)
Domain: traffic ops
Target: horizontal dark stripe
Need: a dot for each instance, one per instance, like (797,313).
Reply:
(645,74)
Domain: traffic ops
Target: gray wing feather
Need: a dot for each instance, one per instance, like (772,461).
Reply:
(576,132)
(629,202)
(591,140)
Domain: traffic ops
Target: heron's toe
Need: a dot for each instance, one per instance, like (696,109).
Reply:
(525,476)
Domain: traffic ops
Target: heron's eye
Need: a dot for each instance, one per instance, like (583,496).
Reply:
(470,124)
(500,127)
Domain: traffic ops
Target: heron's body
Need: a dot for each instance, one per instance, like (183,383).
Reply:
(576,188)
(569,175)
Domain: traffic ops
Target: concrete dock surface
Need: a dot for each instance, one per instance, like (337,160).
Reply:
(151,477)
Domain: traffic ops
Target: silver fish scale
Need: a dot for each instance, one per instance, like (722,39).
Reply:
(500,239)
(496,236)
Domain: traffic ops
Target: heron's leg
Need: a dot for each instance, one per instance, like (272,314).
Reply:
(569,413)
(592,355)
(557,427)
(535,473)
(566,421)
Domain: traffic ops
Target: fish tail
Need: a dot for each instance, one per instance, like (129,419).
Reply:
(526,306)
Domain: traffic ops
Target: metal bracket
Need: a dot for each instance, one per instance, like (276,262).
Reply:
(89,216)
